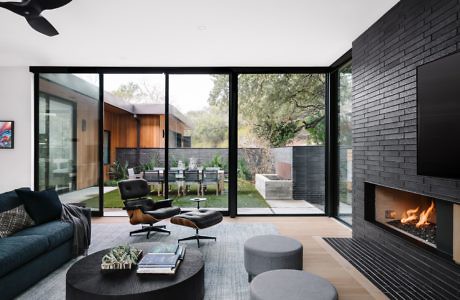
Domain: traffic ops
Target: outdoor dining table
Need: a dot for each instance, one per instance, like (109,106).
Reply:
(180,177)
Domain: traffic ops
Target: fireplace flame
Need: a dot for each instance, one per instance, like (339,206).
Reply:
(425,215)
(410,215)
(422,218)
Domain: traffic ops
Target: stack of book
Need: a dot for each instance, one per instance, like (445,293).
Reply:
(162,259)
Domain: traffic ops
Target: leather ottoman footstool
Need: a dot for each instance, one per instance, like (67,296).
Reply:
(291,285)
(198,219)
(272,252)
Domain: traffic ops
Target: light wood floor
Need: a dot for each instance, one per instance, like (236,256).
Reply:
(319,257)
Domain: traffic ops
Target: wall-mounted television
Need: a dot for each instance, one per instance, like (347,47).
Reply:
(438,117)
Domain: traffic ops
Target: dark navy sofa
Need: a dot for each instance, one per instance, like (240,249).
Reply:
(29,255)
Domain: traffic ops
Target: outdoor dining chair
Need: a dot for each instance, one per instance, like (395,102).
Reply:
(192,177)
(154,179)
(210,177)
(132,175)
(172,179)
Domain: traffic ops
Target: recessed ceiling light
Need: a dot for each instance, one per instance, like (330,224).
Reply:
(202,27)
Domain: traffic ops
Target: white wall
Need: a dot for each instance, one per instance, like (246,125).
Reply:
(16,104)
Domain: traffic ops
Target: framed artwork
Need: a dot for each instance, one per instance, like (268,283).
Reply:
(6,134)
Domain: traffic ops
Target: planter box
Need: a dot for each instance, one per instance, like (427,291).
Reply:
(271,187)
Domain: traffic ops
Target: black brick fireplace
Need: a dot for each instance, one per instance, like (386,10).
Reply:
(385,59)
(422,220)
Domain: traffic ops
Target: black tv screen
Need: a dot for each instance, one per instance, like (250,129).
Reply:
(438,117)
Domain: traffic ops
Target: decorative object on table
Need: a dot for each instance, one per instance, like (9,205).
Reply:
(193,164)
(162,259)
(198,200)
(198,219)
(6,134)
(164,248)
(121,258)
(143,210)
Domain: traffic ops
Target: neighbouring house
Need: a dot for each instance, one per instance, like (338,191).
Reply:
(69,106)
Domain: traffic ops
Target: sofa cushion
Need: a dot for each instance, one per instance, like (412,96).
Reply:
(16,251)
(43,206)
(57,232)
(14,220)
(10,200)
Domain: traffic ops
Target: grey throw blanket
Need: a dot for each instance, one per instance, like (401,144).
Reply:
(81,227)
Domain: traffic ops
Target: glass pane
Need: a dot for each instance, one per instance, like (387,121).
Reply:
(198,140)
(134,114)
(345,144)
(281,136)
(106,147)
(68,136)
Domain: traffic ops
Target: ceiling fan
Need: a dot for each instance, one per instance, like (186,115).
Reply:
(31,10)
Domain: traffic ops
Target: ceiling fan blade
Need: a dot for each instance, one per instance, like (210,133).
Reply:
(50,4)
(42,25)
(16,7)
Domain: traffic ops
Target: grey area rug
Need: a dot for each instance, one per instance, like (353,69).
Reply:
(225,276)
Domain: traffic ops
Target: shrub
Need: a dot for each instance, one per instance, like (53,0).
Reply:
(217,161)
(119,171)
(243,170)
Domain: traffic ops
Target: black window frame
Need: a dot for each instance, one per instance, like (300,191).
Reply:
(332,127)
(233,72)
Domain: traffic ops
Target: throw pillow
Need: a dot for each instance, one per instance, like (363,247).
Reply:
(43,206)
(14,220)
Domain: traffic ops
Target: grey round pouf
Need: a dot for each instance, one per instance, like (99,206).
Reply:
(291,285)
(272,252)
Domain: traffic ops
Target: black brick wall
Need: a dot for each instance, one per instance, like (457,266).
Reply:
(385,58)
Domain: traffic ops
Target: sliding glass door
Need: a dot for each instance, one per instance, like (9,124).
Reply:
(345,152)
(174,129)
(56,143)
(281,143)
(134,122)
(68,137)
(198,127)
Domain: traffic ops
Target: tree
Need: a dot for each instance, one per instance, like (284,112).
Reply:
(345,95)
(140,93)
(277,107)
(210,128)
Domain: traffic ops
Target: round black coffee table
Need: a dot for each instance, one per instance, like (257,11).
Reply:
(84,280)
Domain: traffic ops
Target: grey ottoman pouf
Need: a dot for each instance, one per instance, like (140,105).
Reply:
(272,252)
(291,285)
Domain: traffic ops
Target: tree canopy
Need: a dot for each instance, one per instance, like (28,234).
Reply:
(210,128)
(277,107)
(139,93)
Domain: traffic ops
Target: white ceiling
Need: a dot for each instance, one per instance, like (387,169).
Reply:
(191,33)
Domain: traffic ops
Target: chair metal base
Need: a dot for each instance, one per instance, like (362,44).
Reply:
(150,228)
(197,237)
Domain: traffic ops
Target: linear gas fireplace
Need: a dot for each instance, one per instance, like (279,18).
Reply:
(421,219)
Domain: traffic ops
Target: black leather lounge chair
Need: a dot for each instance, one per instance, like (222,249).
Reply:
(143,210)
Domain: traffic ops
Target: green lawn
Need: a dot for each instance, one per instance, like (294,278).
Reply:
(247,197)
